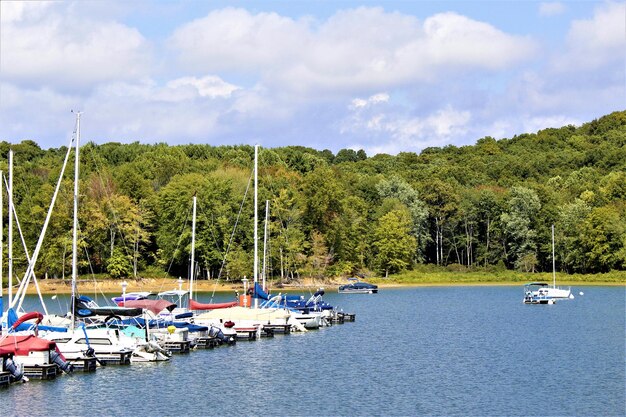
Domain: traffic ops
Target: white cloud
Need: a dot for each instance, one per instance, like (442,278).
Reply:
(45,46)
(352,50)
(403,132)
(234,39)
(551,8)
(372,100)
(598,41)
(361,78)
(457,40)
(16,11)
(209,86)
(534,124)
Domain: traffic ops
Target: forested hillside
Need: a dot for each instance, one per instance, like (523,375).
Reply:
(490,205)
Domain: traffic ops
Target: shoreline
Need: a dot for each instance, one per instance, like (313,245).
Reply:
(61,286)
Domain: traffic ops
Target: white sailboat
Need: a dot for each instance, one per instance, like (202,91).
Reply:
(554,291)
(543,293)
(79,341)
(242,316)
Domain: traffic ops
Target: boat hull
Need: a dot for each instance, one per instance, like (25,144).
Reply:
(358,291)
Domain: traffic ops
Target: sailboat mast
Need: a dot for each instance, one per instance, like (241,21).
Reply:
(1,244)
(264,269)
(10,243)
(75,226)
(256,221)
(193,248)
(553,261)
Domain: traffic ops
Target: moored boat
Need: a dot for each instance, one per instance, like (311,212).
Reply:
(537,293)
(355,286)
(541,292)
(35,357)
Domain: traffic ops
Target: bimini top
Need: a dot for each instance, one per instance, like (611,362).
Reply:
(538,284)
(364,285)
(176,293)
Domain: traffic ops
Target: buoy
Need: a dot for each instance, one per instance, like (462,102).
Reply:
(171,329)
(581,293)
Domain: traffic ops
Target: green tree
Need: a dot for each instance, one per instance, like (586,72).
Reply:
(603,236)
(518,224)
(394,244)
(397,188)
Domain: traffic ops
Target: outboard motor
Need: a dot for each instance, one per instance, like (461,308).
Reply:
(15,370)
(217,333)
(60,361)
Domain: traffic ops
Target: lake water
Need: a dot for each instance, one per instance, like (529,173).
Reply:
(418,351)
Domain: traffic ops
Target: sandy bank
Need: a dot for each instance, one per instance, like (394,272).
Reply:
(60,286)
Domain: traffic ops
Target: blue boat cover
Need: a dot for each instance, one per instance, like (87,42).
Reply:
(157,324)
(259,293)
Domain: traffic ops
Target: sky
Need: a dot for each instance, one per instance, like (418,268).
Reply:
(385,77)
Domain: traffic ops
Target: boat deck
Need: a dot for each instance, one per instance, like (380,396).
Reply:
(42,372)
(121,358)
(178,346)
(5,379)
(84,364)
(246,333)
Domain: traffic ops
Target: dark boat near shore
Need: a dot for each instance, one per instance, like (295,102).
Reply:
(358,287)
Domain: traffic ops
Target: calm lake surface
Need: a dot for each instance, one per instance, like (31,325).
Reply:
(416,351)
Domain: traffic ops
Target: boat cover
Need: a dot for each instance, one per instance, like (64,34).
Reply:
(259,292)
(157,324)
(22,344)
(155,306)
(195,305)
(295,301)
(243,313)
(86,307)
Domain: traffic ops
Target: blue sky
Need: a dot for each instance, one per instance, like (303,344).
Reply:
(386,77)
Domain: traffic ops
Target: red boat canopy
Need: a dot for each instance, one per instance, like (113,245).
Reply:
(194,305)
(22,344)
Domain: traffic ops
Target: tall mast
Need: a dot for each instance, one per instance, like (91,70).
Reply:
(75,227)
(264,269)
(553,261)
(10,243)
(1,243)
(193,248)
(256,221)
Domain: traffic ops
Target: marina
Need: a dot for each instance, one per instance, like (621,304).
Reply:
(430,350)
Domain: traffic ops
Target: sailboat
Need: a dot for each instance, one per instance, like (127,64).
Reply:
(24,354)
(190,302)
(247,318)
(78,342)
(543,293)
(171,314)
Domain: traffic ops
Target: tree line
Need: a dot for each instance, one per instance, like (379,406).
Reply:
(489,205)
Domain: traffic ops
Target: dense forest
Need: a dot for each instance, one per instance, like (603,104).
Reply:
(490,205)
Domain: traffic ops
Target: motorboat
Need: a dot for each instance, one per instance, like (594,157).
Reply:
(104,343)
(31,355)
(355,286)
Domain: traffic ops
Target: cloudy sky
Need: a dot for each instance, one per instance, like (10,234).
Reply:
(386,76)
